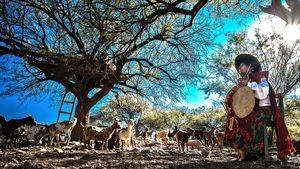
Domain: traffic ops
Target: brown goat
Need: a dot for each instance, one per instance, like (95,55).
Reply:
(90,133)
(182,137)
(125,134)
(93,133)
(219,140)
(195,144)
(208,136)
(162,136)
(56,129)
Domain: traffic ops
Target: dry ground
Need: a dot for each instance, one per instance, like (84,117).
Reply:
(156,156)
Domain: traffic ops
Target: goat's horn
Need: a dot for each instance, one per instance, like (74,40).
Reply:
(27,114)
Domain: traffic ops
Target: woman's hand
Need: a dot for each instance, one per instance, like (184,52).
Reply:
(231,123)
(243,81)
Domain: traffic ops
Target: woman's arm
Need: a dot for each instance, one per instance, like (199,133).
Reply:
(261,89)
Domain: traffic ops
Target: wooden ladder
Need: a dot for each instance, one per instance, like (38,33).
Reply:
(67,99)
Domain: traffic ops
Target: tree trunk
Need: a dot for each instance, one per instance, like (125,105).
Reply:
(82,115)
(83,108)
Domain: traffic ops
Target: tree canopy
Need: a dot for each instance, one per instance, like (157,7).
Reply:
(99,46)
(277,56)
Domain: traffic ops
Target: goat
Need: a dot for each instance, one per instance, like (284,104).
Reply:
(171,134)
(162,135)
(182,137)
(150,133)
(9,127)
(296,146)
(125,134)
(199,133)
(26,134)
(145,134)
(219,140)
(98,144)
(113,142)
(2,123)
(195,144)
(43,134)
(30,133)
(56,129)
(107,133)
(133,138)
(103,135)
(208,136)
(90,133)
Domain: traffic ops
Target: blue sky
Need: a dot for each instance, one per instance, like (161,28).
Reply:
(44,111)
(194,97)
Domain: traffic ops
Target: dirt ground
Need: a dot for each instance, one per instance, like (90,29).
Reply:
(155,156)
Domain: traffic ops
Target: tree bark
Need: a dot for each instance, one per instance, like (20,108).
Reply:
(82,115)
(83,108)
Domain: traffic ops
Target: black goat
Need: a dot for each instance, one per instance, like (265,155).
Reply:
(2,120)
(199,134)
(113,142)
(2,123)
(172,134)
(296,144)
(9,127)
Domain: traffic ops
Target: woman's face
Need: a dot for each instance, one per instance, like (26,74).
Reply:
(243,69)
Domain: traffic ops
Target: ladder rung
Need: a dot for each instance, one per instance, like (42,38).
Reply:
(64,112)
(65,99)
(71,102)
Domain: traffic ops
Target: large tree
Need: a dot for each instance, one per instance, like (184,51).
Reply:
(276,55)
(93,47)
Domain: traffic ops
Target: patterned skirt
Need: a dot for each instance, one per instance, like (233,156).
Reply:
(248,133)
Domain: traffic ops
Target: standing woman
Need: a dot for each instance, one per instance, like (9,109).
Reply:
(246,134)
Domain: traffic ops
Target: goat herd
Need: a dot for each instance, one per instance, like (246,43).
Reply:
(27,132)
(37,145)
